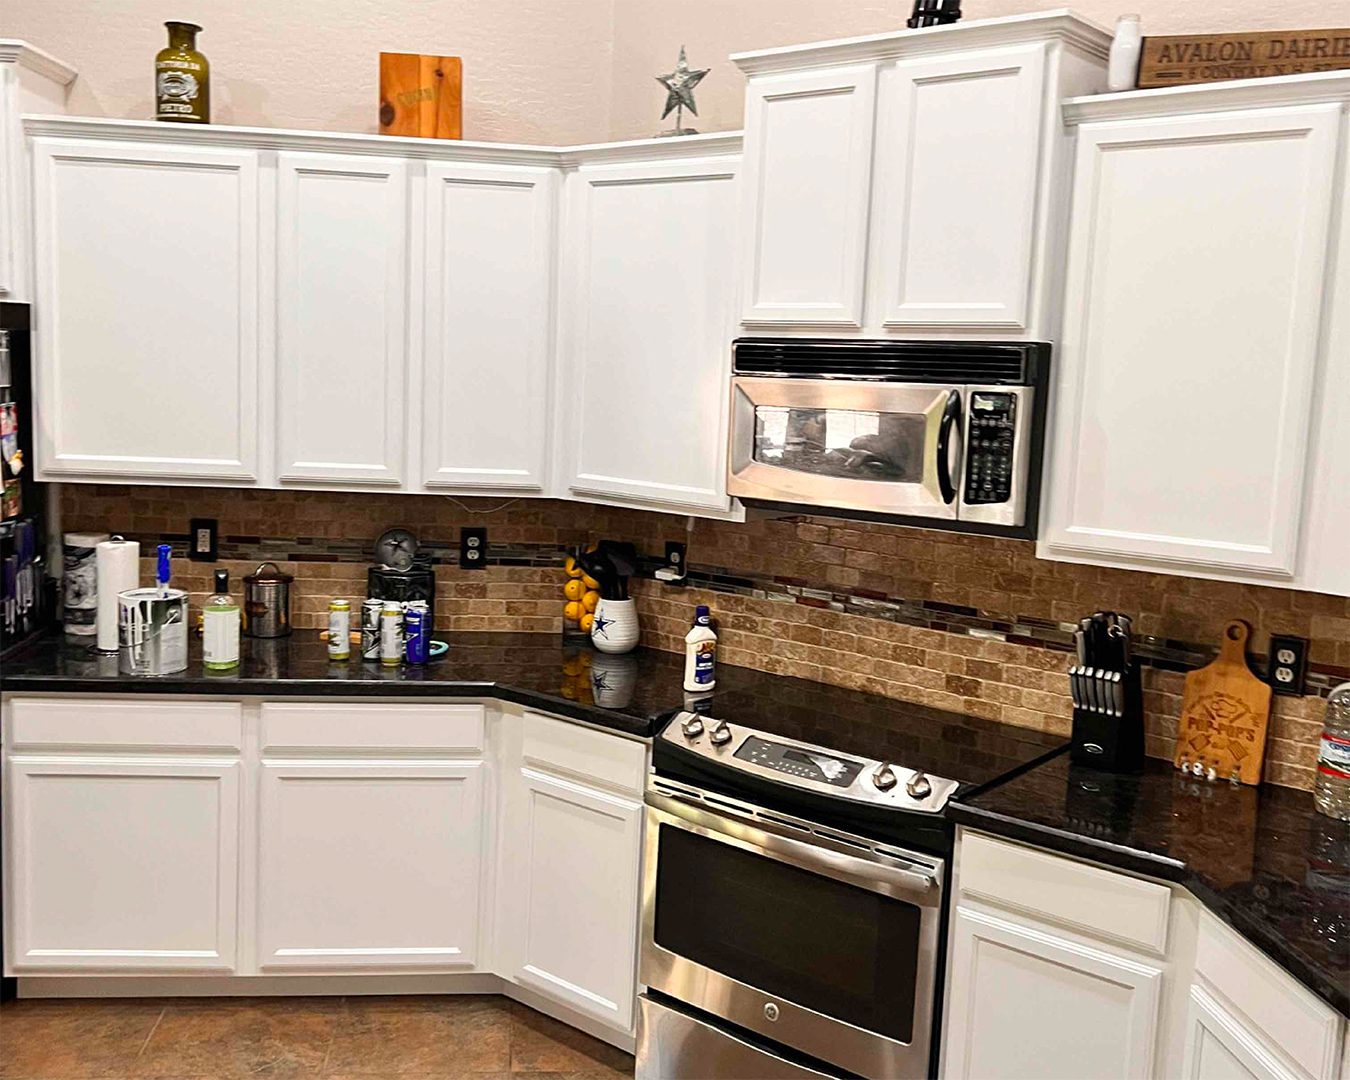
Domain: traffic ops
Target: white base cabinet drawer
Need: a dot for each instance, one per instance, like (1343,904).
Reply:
(128,722)
(122,865)
(370,864)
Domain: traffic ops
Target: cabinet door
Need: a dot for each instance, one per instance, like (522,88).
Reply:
(808,167)
(1027,1004)
(1195,285)
(1218,1047)
(122,866)
(147,292)
(489,274)
(579,857)
(653,247)
(369,864)
(342,278)
(958,153)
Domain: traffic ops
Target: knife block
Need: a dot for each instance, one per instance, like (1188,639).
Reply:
(1108,742)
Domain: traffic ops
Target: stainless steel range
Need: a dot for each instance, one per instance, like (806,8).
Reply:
(793,904)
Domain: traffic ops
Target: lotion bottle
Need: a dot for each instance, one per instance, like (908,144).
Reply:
(700,653)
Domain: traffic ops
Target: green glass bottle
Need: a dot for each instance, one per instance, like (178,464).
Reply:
(182,78)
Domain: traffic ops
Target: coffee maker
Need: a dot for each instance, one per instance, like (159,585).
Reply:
(402,572)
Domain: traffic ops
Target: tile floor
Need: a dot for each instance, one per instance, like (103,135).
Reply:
(361,1038)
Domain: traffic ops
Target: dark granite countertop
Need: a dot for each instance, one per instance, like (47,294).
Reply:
(1262,859)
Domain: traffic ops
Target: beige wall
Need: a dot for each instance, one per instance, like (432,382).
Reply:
(551,71)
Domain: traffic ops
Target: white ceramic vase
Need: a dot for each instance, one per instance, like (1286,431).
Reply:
(615,629)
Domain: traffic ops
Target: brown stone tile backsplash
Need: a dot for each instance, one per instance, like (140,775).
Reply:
(959,622)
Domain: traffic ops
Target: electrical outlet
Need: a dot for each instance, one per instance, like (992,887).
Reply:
(1288,663)
(472,549)
(203,542)
(675,556)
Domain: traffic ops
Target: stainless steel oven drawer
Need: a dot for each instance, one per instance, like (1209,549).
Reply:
(676,1046)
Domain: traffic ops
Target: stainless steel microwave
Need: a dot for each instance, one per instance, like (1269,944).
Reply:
(932,433)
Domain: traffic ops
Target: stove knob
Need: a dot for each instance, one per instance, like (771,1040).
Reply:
(884,778)
(721,734)
(692,726)
(919,786)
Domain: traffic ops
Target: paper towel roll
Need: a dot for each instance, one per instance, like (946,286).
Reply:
(80,578)
(119,569)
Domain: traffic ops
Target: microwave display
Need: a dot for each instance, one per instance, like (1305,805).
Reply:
(842,443)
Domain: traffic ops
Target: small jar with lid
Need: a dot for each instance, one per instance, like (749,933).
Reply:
(267,602)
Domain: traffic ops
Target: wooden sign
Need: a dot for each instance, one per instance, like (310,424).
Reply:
(1203,58)
(1224,713)
(421,95)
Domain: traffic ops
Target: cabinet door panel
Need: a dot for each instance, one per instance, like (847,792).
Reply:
(1195,286)
(120,866)
(369,864)
(341,338)
(1218,1048)
(1024,1004)
(808,166)
(651,328)
(489,274)
(581,851)
(147,268)
(959,132)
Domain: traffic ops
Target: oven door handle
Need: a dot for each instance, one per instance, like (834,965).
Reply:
(951,415)
(919,883)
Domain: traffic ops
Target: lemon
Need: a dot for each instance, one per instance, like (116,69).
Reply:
(589,581)
(574,589)
(573,570)
(572,611)
(587,621)
(589,600)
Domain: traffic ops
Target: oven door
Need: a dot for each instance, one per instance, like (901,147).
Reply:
(825,946)
(889,448)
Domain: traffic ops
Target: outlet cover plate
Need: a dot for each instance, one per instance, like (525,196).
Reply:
(472,548)
(1288,667)
(203,539)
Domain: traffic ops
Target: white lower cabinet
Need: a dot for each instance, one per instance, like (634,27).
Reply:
(1029,1003)
(369,864)
(121,864)
(1059,968)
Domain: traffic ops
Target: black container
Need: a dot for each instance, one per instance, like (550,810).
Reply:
(419,583)
(1108,742)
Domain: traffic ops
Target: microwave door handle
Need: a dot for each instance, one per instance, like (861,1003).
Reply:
(951,414)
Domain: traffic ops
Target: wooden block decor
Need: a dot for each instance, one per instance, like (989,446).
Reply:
(1203,58)
(422,96)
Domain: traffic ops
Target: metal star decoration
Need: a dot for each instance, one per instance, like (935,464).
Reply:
(679,86)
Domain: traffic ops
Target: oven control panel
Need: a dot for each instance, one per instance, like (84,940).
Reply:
(989,447)
(811,764)
(803,765)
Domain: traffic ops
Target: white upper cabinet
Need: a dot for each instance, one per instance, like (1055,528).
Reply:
(147,316)
(908,184)
(488,316)
(1193,319)
(342,261)
(651,257)
(30,81)
(808,168)
(958,165)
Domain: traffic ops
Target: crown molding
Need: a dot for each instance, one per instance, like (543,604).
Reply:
(14,51)
(1311,89)
(1061,24)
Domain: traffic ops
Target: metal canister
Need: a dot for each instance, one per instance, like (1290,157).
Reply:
(267,602)
(416,632)
(370,629)
(152,629)
(391,634)
(339,629)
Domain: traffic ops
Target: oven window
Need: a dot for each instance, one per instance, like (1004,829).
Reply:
(819,943)
(842,443)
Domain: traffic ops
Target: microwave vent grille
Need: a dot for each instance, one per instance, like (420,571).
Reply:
(1014,363)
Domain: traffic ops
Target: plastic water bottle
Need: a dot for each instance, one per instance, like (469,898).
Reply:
(1332,791)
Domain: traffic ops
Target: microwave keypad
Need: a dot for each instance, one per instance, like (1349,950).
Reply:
(989,452)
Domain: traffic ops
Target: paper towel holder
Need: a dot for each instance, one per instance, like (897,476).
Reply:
(115,538)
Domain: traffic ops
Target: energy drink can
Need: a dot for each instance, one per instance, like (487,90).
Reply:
(416,632)
(370,629)
(391,634)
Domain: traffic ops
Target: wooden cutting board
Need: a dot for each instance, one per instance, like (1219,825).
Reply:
(421,95)
(1224,712)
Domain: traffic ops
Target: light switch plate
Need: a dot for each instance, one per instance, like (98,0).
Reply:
(1288,667)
